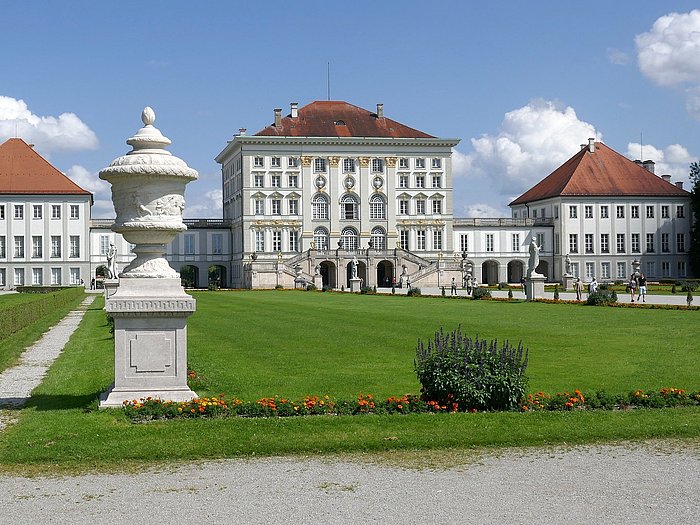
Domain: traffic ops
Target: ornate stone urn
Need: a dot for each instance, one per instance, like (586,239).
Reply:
(148,186)
(150,307)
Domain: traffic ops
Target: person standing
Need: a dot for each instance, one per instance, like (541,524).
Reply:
(593,287)
(632,286)
(642,288)
(578,288)
(453,288)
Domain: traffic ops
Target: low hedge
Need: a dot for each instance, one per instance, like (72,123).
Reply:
(16,316)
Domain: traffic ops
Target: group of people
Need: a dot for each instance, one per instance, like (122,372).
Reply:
(637,284)
(578,287)
(468,283)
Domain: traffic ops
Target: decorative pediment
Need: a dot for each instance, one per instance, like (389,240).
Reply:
(420,196)
(294,195)
(276,195)
(403,195)
(258,195)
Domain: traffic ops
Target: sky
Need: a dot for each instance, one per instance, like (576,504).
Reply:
(521,84)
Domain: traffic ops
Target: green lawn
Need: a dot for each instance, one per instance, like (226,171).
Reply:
(253,344)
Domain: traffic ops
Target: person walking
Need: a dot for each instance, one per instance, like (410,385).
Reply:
(632,286)
(642,288)
(578,288)
(593,286)
(453,287)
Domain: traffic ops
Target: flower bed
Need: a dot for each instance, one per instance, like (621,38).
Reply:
(150,408)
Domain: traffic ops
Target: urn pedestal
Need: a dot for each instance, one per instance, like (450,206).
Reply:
(355,284)
(534,287)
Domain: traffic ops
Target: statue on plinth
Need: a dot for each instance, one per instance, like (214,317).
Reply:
(353,267)
(534,260)
(112,261)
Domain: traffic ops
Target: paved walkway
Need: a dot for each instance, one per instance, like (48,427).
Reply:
(17,382)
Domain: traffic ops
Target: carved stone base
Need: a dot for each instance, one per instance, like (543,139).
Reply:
(568,282)
(355,284)
(318,281)
(150,341)
(534,287)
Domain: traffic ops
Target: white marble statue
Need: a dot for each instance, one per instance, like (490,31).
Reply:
(112,261)
(534,260)
(354,264)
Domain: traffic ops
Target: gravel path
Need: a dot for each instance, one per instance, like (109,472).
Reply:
(598,485)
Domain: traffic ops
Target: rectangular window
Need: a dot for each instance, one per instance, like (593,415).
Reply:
(349,165)
(681,269)
(573,243)
(259,241)
(403,181)
(259,181)
(650,212)
(556,212)
(19,211)
(620,243)
(588,242)
(403,239)
(293,181)
(19,247)
(55,246)
(620,212)
(293,162)
(651,268)
(37,251)
(590,273)
(56,211)
(37,211)
(437,207)
(489,242)
(420,207)
(420,181)
(634,212)
(19,276)
(605,270)
(55,276)
(665,243)
(2,212)
(74,211)
(75,275)
(621,270)
(217,243)
(189,244)
(104,244)
(275,162)
(259,162)
(293,207)
(557,243)
(574,269)
(588,212)
(650,243)
(420,240)
(437,181)
(665,269)
(2,276)
(515,242)
(75,246)
(403,207)
(540,241)
(403,164)
(276,207)
(604,243)
(276,241)
(534,214)
(436,164)
(680,242)
(259,207)
(276,181)
(680,212)
(634,241)
(320,165)
(573,212)
(664,212)
(3,249)
(542,213)
(420,164)
(377,165)
(604,212)
(464,242)
(437,240)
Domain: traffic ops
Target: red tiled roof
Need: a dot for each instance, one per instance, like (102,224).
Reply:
(24,171)
(603,172)
(339,119)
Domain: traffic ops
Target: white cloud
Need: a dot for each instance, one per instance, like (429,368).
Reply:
(533,141)
(669,55)
(102,207)
(673,160)
(616,56)
(204,205)
(483,210)
(63,133)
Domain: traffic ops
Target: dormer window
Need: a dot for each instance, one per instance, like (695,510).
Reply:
(339,122)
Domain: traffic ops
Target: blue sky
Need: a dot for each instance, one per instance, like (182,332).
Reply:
(522,84)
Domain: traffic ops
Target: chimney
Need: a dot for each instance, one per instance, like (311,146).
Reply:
(591,145)
(679,184)
(648,165)
(278,117)
(380,110)
(667,178)
(583,146)
(241,131)
(294,107)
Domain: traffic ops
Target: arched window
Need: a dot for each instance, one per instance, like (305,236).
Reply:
(348,208)
(319,206)
(377,207)
(321,238)
(378,236)
(348,238)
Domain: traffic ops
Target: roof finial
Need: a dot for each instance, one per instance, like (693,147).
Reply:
(148,116)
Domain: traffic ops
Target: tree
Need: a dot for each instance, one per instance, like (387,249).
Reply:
(695,213)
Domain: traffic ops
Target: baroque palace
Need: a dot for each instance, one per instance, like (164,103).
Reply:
(330,186)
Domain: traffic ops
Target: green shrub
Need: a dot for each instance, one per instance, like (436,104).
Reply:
(443,291)
(690,286)
(326,288)
(468,374)
(673,289)
(481,293)
(602,298)
(279,287)
(510,293)
(310,287)
(556,292)
(413,291)
(366,290)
